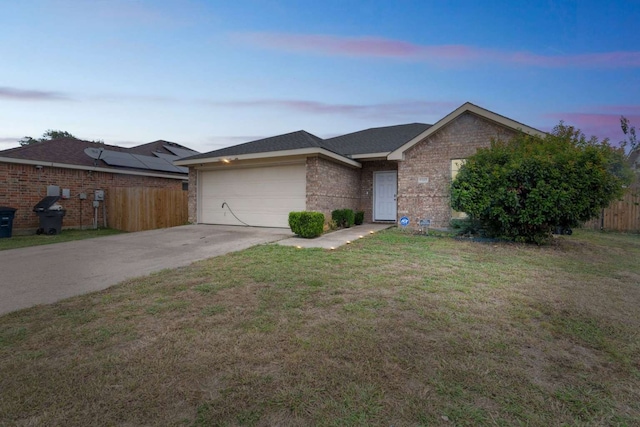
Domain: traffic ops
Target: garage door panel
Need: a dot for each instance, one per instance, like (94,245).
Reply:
(258,196)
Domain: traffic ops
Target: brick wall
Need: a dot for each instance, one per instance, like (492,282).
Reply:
(331,186)
(193,195)
(366,184)
(431,159)
(22,186)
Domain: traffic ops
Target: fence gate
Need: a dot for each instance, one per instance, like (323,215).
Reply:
(621,215)
(137,209)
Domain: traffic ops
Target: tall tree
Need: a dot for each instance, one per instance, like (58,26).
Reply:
(48,135)
(629,131)
(51,135)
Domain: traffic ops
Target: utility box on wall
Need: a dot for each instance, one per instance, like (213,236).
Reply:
(53,190)
(99,195)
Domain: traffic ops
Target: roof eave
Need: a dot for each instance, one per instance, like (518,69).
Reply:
(371,156)
(90,168)
(269,154)
(398,154)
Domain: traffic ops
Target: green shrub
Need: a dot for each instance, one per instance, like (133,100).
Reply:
(359,218)
(343,217)
(522,189)
(306,224)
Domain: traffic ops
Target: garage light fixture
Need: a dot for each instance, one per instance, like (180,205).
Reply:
(226,161)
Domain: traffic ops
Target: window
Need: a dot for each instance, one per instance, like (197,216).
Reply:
(455,167)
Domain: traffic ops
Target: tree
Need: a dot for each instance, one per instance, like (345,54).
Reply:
(52,135)
(48,135)
(523,188)
(629,131)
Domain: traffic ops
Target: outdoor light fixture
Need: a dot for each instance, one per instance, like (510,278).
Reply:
(360,237)
(225,161)
(348,242)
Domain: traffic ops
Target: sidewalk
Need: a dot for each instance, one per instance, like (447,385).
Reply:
(336,238)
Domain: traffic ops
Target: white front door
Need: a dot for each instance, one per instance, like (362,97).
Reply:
(385,187)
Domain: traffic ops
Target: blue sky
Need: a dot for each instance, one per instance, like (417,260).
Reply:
(208,74)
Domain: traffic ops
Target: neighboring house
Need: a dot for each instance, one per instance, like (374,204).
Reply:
(387,172)
(79,168)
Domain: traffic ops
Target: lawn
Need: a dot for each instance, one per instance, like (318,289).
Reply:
(15,242)
(392,330)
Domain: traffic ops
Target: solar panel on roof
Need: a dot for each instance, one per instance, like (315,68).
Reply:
(171,158)
(166,156)
(156,163)
(139,161)
(180,152)
(116,158)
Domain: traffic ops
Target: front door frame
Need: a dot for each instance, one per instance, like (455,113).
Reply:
(380,216)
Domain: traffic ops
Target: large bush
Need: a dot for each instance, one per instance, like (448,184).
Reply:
(306,224)
(523,188)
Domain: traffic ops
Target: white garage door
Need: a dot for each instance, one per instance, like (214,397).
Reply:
(259,196)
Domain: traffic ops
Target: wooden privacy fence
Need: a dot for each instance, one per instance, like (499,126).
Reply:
(137,209)
(621,215)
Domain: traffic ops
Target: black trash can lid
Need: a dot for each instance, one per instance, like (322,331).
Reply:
(7,209)
(45,203)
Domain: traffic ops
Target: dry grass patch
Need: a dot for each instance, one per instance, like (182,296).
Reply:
(391,330)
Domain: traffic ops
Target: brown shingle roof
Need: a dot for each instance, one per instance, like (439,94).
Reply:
(67,150)
(70,151)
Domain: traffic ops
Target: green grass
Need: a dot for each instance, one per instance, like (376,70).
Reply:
(15,242)
(393,329)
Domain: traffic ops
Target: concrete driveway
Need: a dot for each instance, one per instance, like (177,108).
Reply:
(49,273)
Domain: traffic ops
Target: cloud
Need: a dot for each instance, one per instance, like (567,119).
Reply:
(409,108)
(31,95)
(603,121)
(378,47)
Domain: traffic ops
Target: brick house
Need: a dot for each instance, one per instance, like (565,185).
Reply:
(388,172)
(27,172)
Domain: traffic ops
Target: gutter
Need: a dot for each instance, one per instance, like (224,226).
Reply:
(267,155)
(89,168)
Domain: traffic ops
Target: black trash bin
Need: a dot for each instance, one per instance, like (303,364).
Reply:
(50,216)
(6,220)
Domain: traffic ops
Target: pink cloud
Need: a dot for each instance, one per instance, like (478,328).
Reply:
(30,95)
(377,47)
(601,124)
